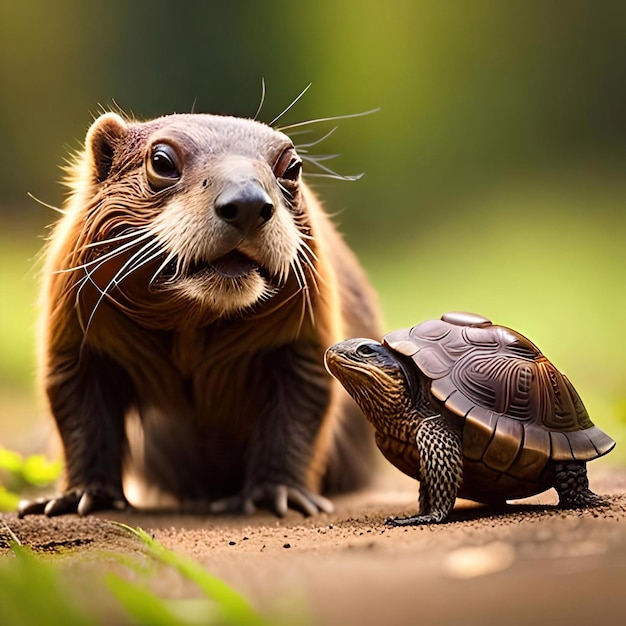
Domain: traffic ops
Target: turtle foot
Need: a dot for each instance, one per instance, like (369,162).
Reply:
(582,499)
(417,520)
(572,485)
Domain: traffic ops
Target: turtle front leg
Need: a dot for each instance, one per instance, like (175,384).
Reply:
(441,472)
(572,485)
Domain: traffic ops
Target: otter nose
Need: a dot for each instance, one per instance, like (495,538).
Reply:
(246,207)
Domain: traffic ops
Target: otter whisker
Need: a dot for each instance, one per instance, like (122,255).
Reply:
(137,260)
(304,228)
(99,261)
(328,172)
(335,176)
(268,294)
(88,278)
(305,246)
(126,234)
(301,132)
(305,262)
(139,263)
(305,250)
(283,274)
(45,204)
(319,120)
(317,141)
(168,259)
(120,237)
(285,191)
(258,111)
(308,304)
(298,273)
(301,274)
(313,158)
(314,274)
(291,105)
(104,293)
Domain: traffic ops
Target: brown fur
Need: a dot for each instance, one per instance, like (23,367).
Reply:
(217,382)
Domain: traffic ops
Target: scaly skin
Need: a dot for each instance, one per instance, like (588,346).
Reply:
(396,397)
(401,410)
(572,485)
(440,472)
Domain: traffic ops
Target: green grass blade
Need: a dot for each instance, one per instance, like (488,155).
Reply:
(142,605)
(31,593)
(235,609)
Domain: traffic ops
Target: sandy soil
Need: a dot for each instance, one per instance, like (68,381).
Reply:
(530,563)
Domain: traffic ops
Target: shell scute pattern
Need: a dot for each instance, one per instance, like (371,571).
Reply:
(519,410)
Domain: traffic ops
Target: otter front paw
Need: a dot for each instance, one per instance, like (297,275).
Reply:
(81,501)
(277,498)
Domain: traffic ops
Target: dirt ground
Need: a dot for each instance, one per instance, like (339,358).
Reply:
(528,564)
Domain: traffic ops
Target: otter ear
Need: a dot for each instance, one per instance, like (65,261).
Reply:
(102,139)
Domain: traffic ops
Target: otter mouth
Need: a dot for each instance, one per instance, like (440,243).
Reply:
(233,264)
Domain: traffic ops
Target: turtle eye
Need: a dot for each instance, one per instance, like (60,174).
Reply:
(163,166)
(289,165)
(365,349)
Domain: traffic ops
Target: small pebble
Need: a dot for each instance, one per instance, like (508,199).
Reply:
(231,543)
(287,545)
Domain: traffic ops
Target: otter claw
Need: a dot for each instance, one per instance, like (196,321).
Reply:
(67,503)
(91,502)
(32,507)
(277,498)
(81,502)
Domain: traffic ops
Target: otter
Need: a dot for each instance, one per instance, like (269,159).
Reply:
(190,291)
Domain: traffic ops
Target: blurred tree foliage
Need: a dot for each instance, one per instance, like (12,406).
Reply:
(470,92)
(494,166)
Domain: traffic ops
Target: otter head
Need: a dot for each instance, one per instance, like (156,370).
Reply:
(186,218)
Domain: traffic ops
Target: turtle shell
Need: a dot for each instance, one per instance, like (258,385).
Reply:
(519,410)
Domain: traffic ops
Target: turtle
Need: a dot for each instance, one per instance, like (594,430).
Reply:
(471,409)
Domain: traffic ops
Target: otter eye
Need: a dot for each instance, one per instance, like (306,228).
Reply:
(289,165)
(163,161)
(293,170)
(163,169)
(365,350)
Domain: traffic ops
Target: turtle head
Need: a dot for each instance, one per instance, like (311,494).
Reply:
(374,376)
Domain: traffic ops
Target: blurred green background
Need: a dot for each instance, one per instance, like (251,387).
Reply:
(494,169)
